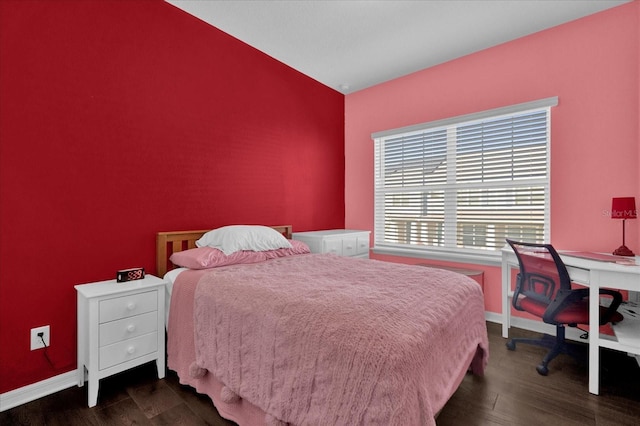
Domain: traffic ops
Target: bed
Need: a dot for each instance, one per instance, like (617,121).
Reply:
(318,339)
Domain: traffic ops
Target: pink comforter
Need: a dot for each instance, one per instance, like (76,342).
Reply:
(321,339)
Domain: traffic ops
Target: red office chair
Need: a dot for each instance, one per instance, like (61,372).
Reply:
(543,288)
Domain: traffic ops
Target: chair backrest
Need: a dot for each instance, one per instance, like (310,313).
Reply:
(542,272)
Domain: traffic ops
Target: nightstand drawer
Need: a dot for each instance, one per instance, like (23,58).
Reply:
(127,306)
(127,328)
(126,350)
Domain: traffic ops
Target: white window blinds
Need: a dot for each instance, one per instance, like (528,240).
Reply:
(467,182)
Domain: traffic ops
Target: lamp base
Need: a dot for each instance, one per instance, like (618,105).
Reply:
(623,251)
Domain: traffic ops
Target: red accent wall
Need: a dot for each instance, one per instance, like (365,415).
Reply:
(121,119)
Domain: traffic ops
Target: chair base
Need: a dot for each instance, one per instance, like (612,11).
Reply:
(557,345)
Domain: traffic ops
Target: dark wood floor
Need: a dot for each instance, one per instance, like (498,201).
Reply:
(510,393)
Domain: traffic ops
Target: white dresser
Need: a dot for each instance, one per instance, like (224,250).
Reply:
(342,242)
(120,326)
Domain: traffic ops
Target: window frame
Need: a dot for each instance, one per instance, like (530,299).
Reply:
(449,252)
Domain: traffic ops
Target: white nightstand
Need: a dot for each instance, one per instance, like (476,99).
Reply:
(120,326)
(343,242)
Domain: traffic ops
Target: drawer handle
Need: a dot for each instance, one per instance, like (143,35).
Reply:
(131,350)
(131,328)
(131,306)
(349,247)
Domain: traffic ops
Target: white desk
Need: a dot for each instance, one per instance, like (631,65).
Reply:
(594,274)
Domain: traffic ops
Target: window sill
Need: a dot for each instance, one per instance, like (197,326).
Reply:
(459,256)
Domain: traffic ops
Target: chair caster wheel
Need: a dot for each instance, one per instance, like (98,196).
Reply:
(542,369)
(511,345)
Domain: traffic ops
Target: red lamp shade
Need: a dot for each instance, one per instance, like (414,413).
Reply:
(623,208)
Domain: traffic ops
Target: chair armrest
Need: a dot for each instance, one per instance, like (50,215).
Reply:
(613,307)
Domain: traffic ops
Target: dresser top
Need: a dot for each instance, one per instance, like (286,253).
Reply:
(330,232)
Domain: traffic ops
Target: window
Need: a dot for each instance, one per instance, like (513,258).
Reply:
(465,183)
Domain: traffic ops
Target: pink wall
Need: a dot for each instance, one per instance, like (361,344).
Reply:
(592,66)
(119,119)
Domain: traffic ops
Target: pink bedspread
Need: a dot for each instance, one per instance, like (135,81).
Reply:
(321,339)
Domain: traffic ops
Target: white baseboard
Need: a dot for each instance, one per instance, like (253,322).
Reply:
(37,390)
(493,317)
(531,325)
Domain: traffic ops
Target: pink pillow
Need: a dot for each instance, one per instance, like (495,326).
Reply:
(209,257)
(297,247)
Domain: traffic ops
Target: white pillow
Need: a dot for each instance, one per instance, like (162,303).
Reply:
(230,239)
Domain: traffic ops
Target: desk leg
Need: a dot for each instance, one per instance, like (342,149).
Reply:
(506,287)
(594,332)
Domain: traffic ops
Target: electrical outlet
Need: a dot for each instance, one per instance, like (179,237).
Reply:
(36,342)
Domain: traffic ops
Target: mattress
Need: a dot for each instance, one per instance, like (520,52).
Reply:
(170,277)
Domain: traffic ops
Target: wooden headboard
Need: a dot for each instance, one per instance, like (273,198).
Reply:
(171,242)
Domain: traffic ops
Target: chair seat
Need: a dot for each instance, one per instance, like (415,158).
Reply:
(575,313)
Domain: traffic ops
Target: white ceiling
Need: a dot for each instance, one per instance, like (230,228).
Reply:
(355,44)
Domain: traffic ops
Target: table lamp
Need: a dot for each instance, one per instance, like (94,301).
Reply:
(623,208)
